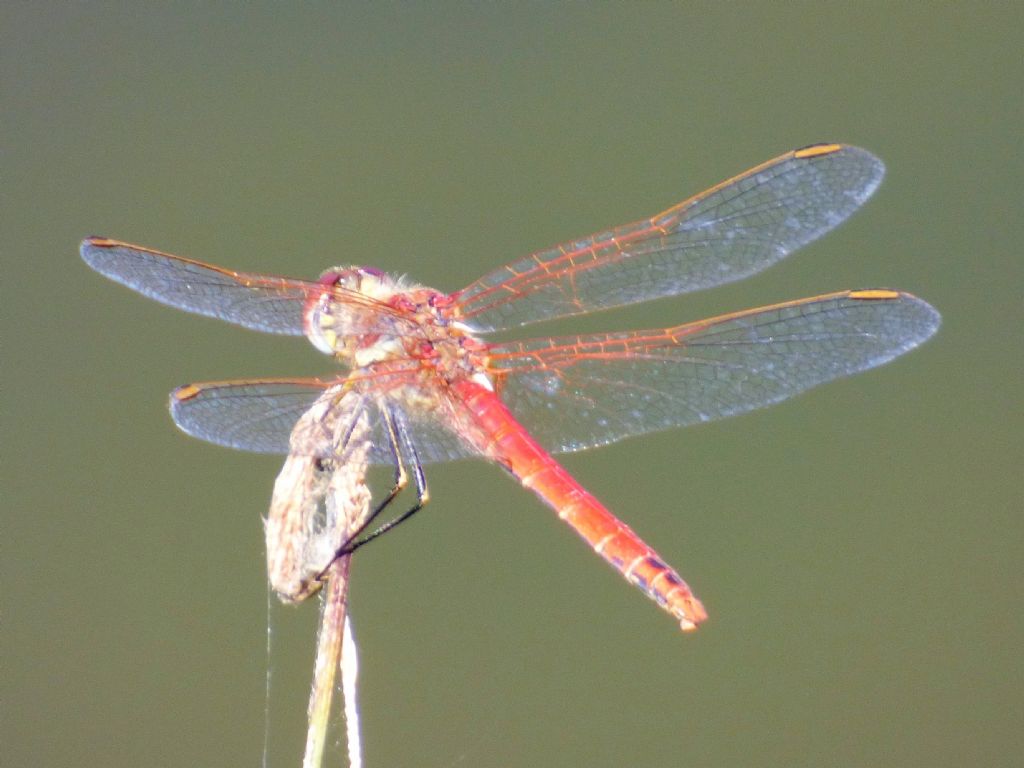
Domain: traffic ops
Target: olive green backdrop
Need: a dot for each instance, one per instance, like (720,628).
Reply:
(859,549)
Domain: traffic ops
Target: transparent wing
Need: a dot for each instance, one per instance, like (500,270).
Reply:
(577,392)
(259,414)
(249,415)
(261,302)
(733,230)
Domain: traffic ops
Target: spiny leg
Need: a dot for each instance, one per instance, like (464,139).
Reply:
(404,451)
(401,480)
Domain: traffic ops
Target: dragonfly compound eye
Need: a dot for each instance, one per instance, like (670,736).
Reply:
(373,271)
(349,279)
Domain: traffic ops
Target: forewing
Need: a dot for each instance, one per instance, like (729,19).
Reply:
(732,230)
(573,393)
(261,302)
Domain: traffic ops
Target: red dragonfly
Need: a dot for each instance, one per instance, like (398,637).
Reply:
(433,389)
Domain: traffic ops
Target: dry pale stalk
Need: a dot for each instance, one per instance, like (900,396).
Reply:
(320,499)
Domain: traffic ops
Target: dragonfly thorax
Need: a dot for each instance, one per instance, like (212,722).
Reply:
(368,319)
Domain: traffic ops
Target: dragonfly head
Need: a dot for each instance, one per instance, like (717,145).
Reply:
(365,280)
(344,310)
(325,315)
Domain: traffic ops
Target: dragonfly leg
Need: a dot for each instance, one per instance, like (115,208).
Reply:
(403,453)
(401,480)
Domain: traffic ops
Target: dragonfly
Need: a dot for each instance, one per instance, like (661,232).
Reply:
(418,368)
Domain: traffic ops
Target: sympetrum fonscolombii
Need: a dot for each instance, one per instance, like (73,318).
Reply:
(433,389)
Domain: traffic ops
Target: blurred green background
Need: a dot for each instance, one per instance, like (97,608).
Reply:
(859,548)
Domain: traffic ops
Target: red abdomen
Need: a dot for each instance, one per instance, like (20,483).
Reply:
(509,444)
